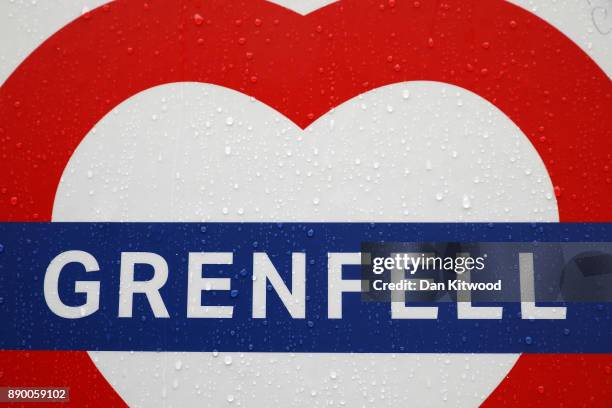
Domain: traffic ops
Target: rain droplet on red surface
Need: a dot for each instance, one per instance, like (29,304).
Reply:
(198,19)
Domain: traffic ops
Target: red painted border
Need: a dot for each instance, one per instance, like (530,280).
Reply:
(74,369)
(556,380)
(303,66)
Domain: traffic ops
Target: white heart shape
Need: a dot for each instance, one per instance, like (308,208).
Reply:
(419,151)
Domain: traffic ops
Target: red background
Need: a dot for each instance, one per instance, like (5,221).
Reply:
(303,66)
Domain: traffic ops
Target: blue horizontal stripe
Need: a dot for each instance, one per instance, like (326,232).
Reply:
(27,323)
